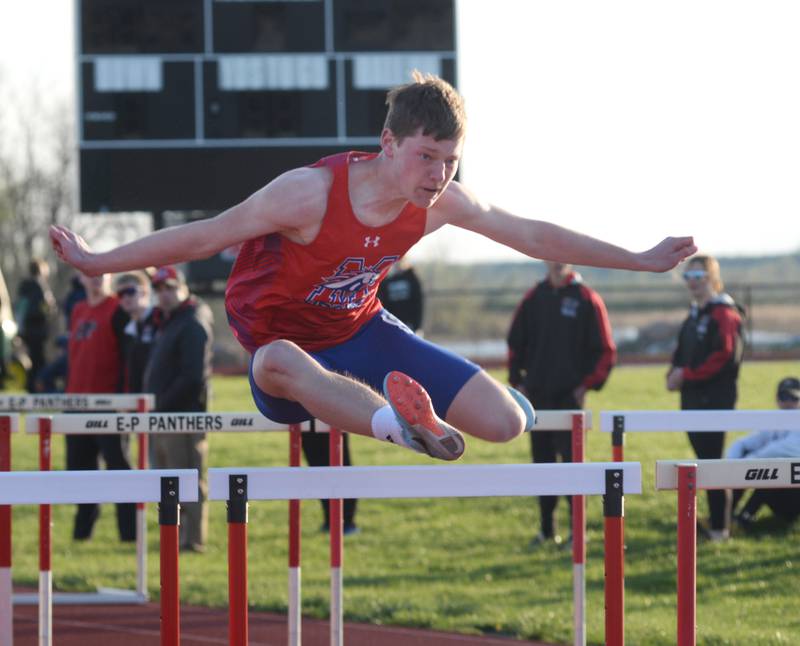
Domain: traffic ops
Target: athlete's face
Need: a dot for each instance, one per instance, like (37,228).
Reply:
(424,166)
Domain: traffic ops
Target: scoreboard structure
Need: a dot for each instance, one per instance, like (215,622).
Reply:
(191,105)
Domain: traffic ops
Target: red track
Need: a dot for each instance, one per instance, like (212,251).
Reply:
(138,625)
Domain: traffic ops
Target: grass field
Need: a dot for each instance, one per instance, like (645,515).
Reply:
(465,565)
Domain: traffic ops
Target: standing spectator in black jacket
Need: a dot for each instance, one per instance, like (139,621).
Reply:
(133,292)
(559,346)
(705,368)
(32,311)
(178,374)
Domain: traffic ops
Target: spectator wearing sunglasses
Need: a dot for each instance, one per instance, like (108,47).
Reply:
(784,503)
(705,369)
(133,292)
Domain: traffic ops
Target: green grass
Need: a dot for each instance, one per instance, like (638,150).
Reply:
(464,565)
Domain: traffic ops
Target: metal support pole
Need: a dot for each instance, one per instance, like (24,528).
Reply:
(618,439)
(169,521)
(613,512)
(687,554)
(579,539)
(335,507)
(237,561)
(295,605)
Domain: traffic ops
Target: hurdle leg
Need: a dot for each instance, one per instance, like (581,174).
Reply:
(578,540)
(687,554)
(613,506)
(237,561)
(168,521)
(45,572)
(335,507)
(295,607)
(141,515)
(618,439)
(6,589)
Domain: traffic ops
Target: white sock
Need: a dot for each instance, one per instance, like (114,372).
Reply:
(385,427)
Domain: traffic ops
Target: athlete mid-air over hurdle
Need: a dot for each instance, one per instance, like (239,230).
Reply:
(317,241)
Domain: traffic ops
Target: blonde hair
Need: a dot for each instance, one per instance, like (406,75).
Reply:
(428,103)
(711,265)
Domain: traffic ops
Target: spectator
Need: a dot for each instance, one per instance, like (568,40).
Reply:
(784,503)
(34,304)
(133,292)
(559,346)
(401,294)
(95,366)
(178,374)
(705,369)
(53,377)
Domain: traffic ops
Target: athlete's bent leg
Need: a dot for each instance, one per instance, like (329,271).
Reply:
(282,369)
(484,408)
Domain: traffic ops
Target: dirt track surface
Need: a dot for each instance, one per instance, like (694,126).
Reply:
(138,625)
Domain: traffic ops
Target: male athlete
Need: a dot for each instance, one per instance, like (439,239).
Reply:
(318,240)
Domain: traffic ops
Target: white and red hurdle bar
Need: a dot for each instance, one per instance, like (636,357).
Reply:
(688,477)
(168,487)
(240,485)
(660,421)
(13,404)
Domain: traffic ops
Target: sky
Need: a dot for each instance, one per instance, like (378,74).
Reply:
(629,120)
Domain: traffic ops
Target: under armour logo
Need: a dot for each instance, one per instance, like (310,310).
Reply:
(371,241)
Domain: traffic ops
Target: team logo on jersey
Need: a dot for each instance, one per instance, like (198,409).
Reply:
(350,285)
(85,329)
(569,307)
(371,241)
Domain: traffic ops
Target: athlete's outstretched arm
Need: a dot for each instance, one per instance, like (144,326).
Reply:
(289,203)
(539,239)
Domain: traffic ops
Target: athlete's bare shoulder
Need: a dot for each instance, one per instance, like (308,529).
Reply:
(298,197)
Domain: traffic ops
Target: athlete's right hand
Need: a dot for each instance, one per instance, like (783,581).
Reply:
(71,248)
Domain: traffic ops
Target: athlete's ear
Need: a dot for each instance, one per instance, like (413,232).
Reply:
(388,142)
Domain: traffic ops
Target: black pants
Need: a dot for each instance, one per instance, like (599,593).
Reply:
(316,448)
(784,503)
(710,446)
(549,446)
(35,347)
(83,453)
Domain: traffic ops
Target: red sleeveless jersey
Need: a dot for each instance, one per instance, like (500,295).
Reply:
(317,295)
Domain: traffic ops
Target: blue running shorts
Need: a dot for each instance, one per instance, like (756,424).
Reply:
(383,344)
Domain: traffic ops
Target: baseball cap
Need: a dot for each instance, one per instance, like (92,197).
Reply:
(167,275)
(789,388)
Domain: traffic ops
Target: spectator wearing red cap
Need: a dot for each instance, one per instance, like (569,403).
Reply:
(178,375)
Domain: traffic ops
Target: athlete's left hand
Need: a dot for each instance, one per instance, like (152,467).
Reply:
(675,379)
(667,254)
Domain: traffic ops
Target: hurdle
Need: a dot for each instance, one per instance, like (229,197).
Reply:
(238,486)
(15,403)
(9,423)
(143,424)
(620,422)
(689,476)
(168,487)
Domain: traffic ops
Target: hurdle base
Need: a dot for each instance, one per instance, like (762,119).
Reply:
(103,596)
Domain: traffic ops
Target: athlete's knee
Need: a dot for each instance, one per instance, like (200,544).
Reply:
(509,424)
(276,364)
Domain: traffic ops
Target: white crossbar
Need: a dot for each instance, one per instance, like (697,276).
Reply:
(703,420)
(23,402)
(314,483)
(560,420)
(169,423)
(14,417)
(772,473)
(61,487)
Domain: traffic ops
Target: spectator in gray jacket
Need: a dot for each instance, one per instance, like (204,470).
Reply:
(178,375)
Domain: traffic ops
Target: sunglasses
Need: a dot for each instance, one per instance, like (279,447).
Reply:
(127,291)
(695,274)
(787,397)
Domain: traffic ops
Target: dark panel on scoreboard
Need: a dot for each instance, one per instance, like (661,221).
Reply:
(254,114)
(210,179)
(393,25)
(366,109)
(269,27)
(137,27)
(168,114)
